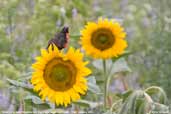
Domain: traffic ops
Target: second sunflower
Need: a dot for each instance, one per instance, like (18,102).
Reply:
(104,39)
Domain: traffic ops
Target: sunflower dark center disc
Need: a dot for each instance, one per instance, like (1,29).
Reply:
(102,39)
(60,75)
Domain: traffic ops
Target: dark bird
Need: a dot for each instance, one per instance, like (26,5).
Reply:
(60,39)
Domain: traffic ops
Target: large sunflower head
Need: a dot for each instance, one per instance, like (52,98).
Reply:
(60,77)
(104,39)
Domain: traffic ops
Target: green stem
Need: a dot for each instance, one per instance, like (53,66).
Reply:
(105,84)
(104,66)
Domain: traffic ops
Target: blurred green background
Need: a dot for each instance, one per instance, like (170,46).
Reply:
(27,25)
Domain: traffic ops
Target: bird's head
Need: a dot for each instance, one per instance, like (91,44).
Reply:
(65,29)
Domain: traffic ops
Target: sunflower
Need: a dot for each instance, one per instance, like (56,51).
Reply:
(104,39)
(60,77)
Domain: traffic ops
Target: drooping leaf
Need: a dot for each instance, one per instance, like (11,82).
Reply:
(157,94)
(137,103)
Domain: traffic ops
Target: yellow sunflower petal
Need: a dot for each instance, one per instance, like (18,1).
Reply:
(78,89)
(74,95)
(44,52)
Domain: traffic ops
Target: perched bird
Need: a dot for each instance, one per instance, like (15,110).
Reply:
(60,39)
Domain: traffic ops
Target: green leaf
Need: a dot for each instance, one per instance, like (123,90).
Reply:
(88,103)
(118,66)
(125,95)
(121,56)
(35,99)
(157,94)
(137,103)
(19,84)
(25,76)
(82,104)
(27,87)
(92,86)
(160,109)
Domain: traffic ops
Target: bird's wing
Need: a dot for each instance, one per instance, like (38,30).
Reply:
(61,39)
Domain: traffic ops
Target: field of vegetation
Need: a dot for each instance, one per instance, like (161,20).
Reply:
(132,77)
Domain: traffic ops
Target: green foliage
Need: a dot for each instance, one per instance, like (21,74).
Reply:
(157,94)
(137,103)
(141,102)
(27,25)
(92,86)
